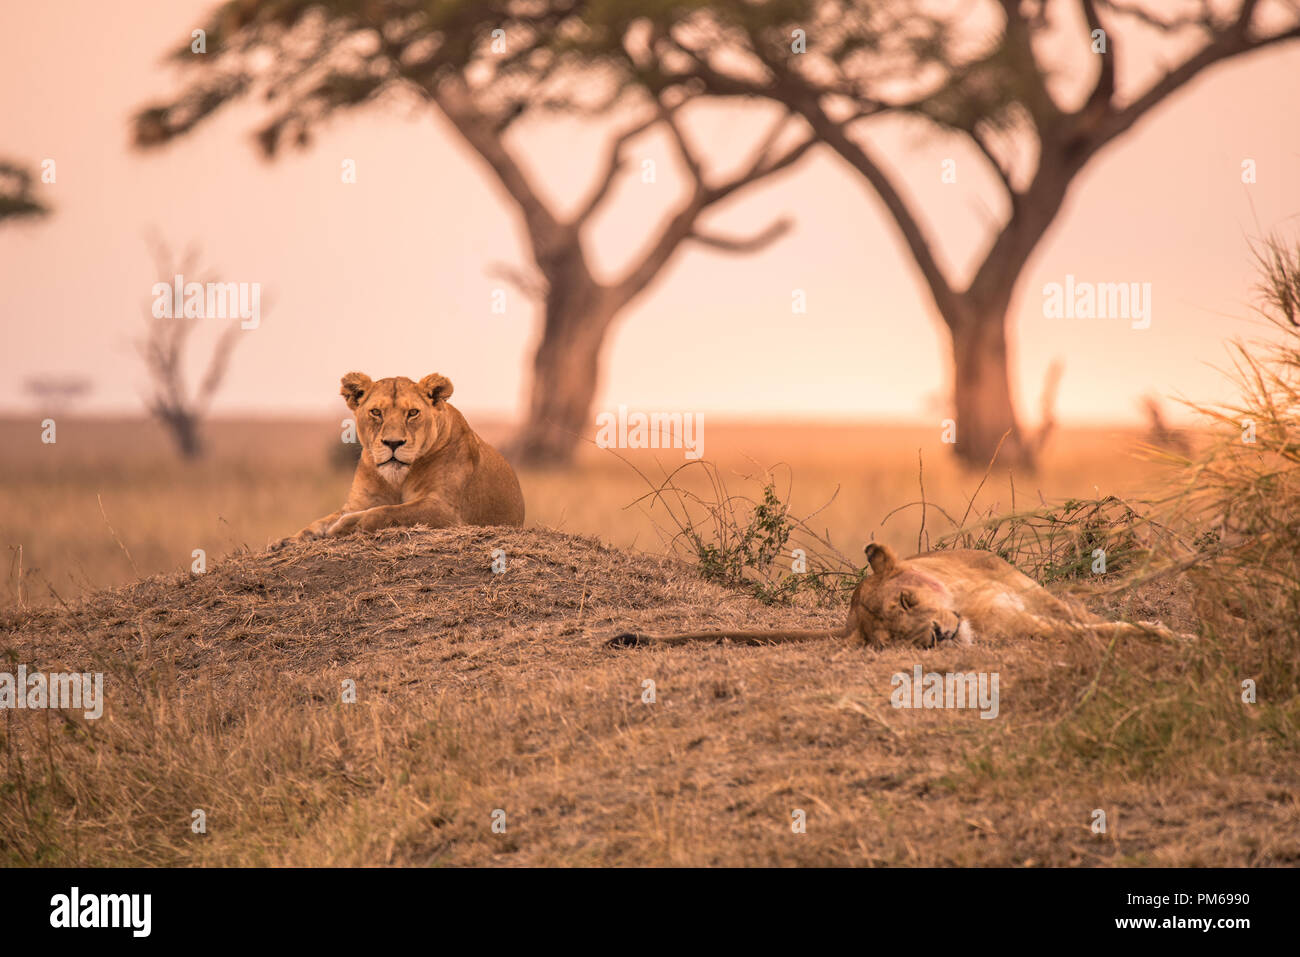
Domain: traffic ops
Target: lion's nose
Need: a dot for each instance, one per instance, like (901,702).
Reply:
(936,634)
(394,444)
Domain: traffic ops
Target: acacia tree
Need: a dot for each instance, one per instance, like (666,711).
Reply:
(984,71)
(57,392)
(482,65)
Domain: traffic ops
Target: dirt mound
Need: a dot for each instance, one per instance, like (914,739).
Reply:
(419,592)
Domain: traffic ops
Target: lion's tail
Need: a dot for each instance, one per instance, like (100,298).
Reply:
(632,639)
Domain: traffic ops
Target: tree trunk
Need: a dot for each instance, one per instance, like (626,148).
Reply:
(185,429)
(982,393)
(566,373)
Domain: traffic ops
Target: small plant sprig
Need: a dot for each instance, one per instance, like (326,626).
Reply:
(750,542)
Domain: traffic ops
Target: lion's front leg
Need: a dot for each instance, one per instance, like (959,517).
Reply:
(316,529)
(433,512)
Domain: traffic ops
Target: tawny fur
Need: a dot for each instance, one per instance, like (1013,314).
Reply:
(421,463)
(962,595)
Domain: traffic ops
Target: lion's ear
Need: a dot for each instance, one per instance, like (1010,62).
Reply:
(436,387)
(881,558)
(355,387)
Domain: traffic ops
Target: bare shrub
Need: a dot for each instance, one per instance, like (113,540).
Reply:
(173,402)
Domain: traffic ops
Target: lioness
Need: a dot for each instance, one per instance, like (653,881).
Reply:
(421,463)
(960,595)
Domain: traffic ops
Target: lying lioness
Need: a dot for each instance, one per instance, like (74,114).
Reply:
(421,463)
(959,595)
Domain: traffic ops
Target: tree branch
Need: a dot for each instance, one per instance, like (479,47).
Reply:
(535,287)
(1226,44)
(1103,90)
(681,226)
(613,163)
(748,244)
(913,234)
(1018,46)
(453,98)
(759,170)
(1003,174)
(668,115)
(217,367)
(1205,19)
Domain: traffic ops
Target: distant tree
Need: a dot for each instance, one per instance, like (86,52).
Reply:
(1160,434)
(482,65)
(1011,77)
(56,393)
(173,402)
(16,197)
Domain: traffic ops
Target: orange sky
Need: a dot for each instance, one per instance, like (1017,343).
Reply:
(389,276)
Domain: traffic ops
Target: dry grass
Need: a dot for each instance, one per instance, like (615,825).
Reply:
(1242,492)
(479,691)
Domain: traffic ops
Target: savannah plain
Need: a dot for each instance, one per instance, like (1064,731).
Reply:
(485,698)
(263,479)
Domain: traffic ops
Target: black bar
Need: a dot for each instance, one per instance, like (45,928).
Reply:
(624,907)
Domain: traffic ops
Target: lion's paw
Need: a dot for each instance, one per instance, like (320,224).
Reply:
(344,524)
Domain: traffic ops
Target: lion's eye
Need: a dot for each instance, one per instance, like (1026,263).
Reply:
(376,413)
(907,600)
(412,413)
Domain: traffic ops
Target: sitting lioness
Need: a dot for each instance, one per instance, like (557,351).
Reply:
(421,463)
(961,596)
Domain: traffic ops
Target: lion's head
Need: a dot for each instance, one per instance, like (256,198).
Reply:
(901,604)
(398,420)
